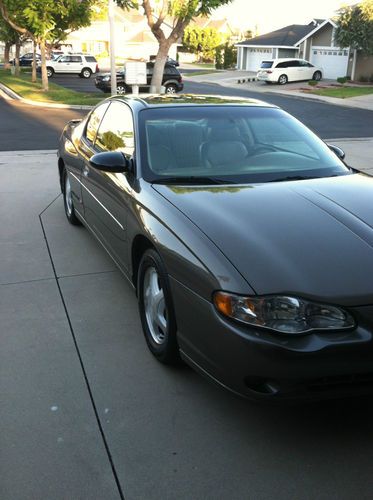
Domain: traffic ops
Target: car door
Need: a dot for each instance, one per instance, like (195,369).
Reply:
(63,64)
(106,195)
(76,64)
(293,71)
(304,70)
(85,149)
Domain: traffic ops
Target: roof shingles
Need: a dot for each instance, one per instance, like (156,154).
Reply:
(287,36)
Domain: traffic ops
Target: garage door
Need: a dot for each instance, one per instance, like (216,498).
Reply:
(254,58)
(333,62)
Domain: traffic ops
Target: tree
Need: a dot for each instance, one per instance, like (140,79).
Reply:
(181,13)
(41,20)
(9,36)
(202,41)
(355,27)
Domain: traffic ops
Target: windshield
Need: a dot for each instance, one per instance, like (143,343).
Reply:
(232,144)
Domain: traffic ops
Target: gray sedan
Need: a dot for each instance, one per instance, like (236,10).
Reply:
(248,240)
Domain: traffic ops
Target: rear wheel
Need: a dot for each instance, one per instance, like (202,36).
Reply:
(171,88)
(50,71)
(156,308)
(68,200)
(86,73)
(317,76)
(121,89)
(283,79)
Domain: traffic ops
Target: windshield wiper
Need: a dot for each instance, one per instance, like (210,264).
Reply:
(294,178)
(194,180)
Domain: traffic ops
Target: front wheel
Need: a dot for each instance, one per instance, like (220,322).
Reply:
(283,79)
(171,89)
(86,73)
(156,308)
(317,76)
(50,72)
(68,200)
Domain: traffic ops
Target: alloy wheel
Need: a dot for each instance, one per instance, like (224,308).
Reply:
(68,196)
(155,306)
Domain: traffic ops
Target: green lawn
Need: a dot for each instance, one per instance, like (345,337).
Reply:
(23,86)
(344,92)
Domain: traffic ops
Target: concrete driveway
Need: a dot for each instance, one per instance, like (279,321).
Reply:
(87,412)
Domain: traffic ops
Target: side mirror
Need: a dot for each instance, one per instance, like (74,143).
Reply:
(337,151)
(111,161)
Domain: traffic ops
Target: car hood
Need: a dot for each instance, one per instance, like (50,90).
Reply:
(312,238)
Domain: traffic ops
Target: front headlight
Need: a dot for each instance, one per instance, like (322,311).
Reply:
(283,314)
(106,78)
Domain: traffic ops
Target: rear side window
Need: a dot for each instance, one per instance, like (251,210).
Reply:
(90,59)
(293,64)
(171,70)
(284,64)
(94,121)
(266,64)
(76,59)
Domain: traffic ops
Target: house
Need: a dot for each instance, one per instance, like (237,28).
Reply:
(133,37)
(313,41)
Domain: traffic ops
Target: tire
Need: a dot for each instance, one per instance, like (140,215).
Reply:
(50,72)
(156,309)
(121,89)
(317,76)
(171,88)
(86,73)
(282,80)
(68,201)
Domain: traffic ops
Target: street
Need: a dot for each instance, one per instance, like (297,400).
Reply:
(89,413)
(327,120)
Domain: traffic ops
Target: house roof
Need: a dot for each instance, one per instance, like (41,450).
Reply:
(143,37)
(287,36)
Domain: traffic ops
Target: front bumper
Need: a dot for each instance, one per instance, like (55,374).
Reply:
(259,364)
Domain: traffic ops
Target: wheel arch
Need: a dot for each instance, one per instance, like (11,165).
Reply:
(139,246)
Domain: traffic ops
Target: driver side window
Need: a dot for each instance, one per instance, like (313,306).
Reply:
(116,130)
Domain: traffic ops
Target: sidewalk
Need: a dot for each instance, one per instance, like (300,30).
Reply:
(230,79)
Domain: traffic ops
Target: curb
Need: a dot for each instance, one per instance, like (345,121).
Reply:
(13,95)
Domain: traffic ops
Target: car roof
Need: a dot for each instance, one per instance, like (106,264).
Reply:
(183,100)
(281,59)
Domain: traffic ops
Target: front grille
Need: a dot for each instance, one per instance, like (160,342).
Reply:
(341,382)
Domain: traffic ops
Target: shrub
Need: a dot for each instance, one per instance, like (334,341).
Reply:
(219,58)
(313,83)
(342,80)
(363,79)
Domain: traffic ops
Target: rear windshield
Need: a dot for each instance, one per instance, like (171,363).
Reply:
(90,59)
(266,64)
(236,144)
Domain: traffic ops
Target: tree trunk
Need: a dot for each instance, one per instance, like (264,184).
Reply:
(6,55)
(44,76)
(17,69)
(159,64)
(33,75)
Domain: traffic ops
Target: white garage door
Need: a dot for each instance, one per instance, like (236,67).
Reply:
(254,58)
(333,62)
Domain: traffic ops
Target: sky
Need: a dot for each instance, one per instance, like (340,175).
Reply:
(269,15)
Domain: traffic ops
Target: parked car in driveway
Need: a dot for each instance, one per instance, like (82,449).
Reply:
(172,80)
(248,240)
(82,65)
(283,71)
(26,59)
(169,60)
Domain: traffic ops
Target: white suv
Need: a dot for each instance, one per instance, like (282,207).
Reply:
(288,70)
(80,64)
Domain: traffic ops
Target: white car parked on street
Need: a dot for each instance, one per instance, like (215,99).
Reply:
(288,70)
(80,64)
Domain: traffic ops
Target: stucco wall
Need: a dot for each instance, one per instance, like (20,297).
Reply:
(323,37)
